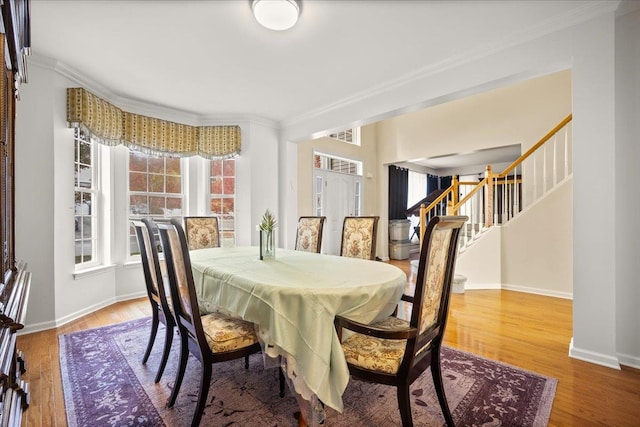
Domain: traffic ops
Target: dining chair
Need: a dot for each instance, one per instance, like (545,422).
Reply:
(359,237)
(156,291)
(396,352)
(202,232)
(211,338)
(309,233)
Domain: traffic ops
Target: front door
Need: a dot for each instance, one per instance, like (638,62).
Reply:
(341,196)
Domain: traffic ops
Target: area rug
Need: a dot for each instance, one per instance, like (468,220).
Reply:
(105,384)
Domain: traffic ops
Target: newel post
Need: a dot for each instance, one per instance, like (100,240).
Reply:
(488,205)
(455,196)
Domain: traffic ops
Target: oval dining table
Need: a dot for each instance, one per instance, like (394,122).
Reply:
(293,300)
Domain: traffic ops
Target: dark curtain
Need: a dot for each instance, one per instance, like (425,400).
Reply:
(432,183)
(445,182)
(398,192)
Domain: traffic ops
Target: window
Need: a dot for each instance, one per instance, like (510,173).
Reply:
(318,192)
(337,164)
(86,188)
(350,136)
(223,198)
(155,190)
(358,198)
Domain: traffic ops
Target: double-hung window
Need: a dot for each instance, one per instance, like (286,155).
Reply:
(86,196)
(155,190)
(223,197)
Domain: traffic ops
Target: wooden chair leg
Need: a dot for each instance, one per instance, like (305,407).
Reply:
(184,354)
(205,382)
(246,362)
(281,376)
(152,336)
(436,373)
(404,404)
(168,340)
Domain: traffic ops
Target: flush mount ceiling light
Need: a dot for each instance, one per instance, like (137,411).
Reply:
(276,14)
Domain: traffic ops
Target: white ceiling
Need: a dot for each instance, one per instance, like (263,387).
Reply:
(212,59)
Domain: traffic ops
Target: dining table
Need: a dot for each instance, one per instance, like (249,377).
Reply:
(293,299)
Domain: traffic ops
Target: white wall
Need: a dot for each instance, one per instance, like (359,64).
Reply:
(44,200)
(481,262)
(627,183)
(587,49)
(537,246)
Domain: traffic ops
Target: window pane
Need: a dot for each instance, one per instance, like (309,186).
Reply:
(156,164)
(216,168)
(139,205)
(156,205)
(86,227)
(229,186)
(174,184)
(216,186)
(174,203)
(137,162)
(84,153)
(173,166)
(137,181)
(228,206)
(229,168)
(216,206)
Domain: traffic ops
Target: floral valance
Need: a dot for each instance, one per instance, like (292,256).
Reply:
(110,125)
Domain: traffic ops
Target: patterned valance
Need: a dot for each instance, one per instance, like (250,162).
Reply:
(110,125)
(94,115)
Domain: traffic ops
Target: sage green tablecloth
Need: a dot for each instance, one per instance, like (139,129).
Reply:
(293,300)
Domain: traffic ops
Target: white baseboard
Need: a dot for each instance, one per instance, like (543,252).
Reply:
(481,286)
(593,357)
(629,360)
(43,326)
(538,291)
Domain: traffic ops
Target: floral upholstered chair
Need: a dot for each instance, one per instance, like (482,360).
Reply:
(212,338)
(309,235)
(396,352)
(202,232)
(359,237)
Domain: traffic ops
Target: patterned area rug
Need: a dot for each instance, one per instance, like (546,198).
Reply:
(106,384)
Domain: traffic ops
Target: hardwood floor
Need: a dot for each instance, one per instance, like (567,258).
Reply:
(528,331)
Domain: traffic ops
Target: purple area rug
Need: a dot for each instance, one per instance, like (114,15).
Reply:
(105,384)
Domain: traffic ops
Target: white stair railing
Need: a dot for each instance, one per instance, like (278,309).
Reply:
(498,198)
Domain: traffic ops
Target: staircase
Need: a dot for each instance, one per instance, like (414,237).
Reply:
(500,197)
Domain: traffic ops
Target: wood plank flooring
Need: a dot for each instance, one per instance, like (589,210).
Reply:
(528,331)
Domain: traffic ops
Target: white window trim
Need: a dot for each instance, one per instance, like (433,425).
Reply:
(97,237)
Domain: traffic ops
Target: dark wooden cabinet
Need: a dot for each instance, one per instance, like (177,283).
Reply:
(15,279)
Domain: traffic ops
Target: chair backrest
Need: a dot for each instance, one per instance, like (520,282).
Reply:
(309,234)
(183,292)
(202,232)
(433,282)
(359,237)
(150,261)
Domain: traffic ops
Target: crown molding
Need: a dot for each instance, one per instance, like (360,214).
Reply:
(138,106)
(554,24)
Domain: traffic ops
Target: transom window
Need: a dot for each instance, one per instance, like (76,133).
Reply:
(350,136)
(223,198)
(86,187)
(155,190)
(337,164)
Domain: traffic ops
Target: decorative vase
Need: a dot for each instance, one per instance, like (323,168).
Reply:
(267,244)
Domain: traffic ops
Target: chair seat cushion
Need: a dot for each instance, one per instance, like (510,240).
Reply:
(376,354)
(225,333)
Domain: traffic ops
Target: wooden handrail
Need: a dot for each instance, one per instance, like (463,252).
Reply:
(490,179)
(468,196)
(537,145)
